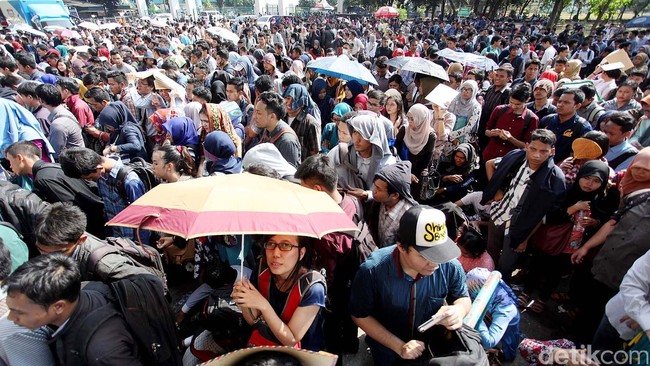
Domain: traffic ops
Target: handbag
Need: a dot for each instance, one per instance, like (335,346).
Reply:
(552,239)
(430,182)
(461,347)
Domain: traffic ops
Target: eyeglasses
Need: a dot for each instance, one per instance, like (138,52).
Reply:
(285,247)
(467,89)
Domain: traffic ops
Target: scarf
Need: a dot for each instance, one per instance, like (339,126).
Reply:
(355,88)
(465,107)
(269,155)
(220,150)
(572,70)
(247,69)
(158,119)
(503,294)
(341,109)
(592,168)
(297,67)
(300,98)
(361,99)
(218,120)
(471,160)
(218,89)
(417,133)
(325,104)
(182,131)
(398,176)
(628,183)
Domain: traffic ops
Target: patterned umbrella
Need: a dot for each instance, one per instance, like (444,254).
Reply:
(235,204)
(386,12)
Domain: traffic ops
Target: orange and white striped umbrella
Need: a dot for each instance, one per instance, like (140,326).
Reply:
(235,204)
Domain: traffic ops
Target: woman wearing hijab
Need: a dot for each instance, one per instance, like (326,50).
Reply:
(352,89)
(640,62)
(415,142)
(126,136)
(324,101)
(218,89)
(180,132)
(502,308)
(368,152)
(572,70)
(220,152)
(158,118)
(316,50)
(330,136)
(244,69)
(458,175)
(361,102)
(298,68)
(584,207)
(468,112)
(215,118)
(268,155)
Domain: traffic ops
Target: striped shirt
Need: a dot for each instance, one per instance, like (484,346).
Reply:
(501,211)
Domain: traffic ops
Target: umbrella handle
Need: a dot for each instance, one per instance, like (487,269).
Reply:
(137,230)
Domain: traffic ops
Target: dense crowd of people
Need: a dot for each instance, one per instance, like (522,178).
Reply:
(541,161)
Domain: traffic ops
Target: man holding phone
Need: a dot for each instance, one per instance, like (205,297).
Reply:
(402,286)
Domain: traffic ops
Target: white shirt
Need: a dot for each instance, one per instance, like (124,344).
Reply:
(549,54)
(584,56)
(604,87)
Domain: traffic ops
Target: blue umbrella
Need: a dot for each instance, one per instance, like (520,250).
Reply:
(343,68)
(639,22)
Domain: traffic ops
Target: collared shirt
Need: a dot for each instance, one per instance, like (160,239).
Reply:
(81,111)
(389,222)
(494,97)
(500,211)
(127,98)
(565,132)
(512,123)
(308,130)
(399,302)
(618,150)
(382,81)
(612,105)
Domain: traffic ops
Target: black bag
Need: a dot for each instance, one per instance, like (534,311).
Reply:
(140,301)
(218,273)
(430,182)
(461,347)
(143,169)
(143,256)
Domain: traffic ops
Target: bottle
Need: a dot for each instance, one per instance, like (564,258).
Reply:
(577,226)
(575,242)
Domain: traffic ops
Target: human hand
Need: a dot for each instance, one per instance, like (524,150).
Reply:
(455,142)
(505,135)
(631,323)
(589,221)
(521,247)
(164,242)
(107,150)
(456,178)
(412,349)
(452,316)
(358,193)
(582,206)
(180,316)
(414,179)
(566,164)
(155,102)
(579,255)
(244,294)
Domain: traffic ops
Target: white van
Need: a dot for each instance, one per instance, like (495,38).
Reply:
(205,14)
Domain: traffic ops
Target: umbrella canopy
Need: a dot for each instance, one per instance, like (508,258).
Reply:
(386,12)
(163,79)
(306,357)
(223,33)
(88,25)
(235,204)
(323,5)
(67,33)
(110,26)
(27,29)
(343,68)
(468,59)
(158,23)
(51,28)
(419,65)
(639,22)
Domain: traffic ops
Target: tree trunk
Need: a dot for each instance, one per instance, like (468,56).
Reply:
(453,8)
(494,9)
(620,17)
(601,12)
(475,7)
(442,9)
(555,13)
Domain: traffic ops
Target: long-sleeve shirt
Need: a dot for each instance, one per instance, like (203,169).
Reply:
(64,130)
(635,289)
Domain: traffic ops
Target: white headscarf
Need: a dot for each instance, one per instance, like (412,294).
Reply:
(461,107)
(192,110)
(269,155)
(417,133)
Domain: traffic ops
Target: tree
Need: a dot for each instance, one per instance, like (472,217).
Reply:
(307,4)
(607,7)
(639,6)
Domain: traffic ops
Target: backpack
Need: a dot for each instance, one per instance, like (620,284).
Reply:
(140,301)
(143,169)
(143,256)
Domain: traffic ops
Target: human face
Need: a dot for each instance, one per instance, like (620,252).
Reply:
(114,86)
(360,144)
(391,106)
(624,95)
(282,263)
(160,169)
(18,164)
(589,184)
(537,152)
(466,92)
(62,67)
(358,107)
(646,109)
(348,93)
(517,106)
(95,105)
(393,85)
(459,158)
(559,67)
(26,313)
(262,117)
(414,263)
(540,93)
(640,174)
(531,71)
(500,78)
(343,131)
(117,60)
(613,131)
(200,74)
(143,88)
(374,105)
(566,105)
(380,192)
(231,93)
(205,121)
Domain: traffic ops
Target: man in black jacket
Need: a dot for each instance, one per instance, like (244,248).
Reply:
(525,186)
(52,185)
(46,291)
(21,208)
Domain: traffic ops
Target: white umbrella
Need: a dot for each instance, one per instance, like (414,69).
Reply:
(419,65)
(178,89)
(223,33)
(343,68)
(88,25)
(27,29)
(110,26)
(52,28)
(158,23)
(468,59)
(81,48)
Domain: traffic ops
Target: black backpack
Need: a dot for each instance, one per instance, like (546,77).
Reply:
(143,169)
(143,256)
(140,301)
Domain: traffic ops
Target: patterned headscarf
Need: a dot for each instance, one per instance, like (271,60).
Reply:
(158,118)
(218,120)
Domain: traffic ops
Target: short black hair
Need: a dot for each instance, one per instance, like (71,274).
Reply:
(377,94)
(118,76)
(46,279)
(290,79)
(457,76)
(26,59)
(7,62)
(624,120)
(79,161)
(544,136)
(614,74)
(98,95)
(472,241)
(533,62)
(578,95)
(264,84)
(169,64)
(237,82)
(11,81)
(68,84)
(274,103)
(521,92)
(49,94)
(319,168)
(202,92)
(5,261)
(60,224)
(263,170)
(588,89)
(91,78)
(25,148)
(28,88)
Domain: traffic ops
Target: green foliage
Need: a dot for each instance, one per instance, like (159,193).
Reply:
(402,13)
(306,3)
(608,7)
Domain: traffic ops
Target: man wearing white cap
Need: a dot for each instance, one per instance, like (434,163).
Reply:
(402,286)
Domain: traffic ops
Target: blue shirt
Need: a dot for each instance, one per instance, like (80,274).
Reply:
(618,150)
(565,132)
(399,302)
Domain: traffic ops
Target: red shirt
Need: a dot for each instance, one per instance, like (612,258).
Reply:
(408,53)
(81,110)
(512,123)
